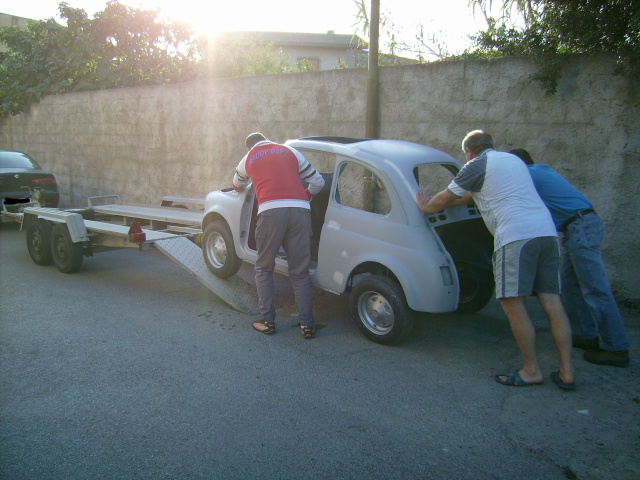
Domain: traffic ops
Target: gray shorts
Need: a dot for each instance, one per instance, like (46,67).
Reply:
(525,267)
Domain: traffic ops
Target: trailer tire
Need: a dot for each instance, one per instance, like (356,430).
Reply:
(38,240)
(66,254)
(219,250)
(380,309)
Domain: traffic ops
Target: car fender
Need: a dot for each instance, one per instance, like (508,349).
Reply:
(230,206)
(422,267)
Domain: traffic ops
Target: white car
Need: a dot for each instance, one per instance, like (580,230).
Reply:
(369,237)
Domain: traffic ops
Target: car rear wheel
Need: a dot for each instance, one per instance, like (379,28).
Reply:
(474,295)
(219,251)
(380,309)
(38,241)
(66,254)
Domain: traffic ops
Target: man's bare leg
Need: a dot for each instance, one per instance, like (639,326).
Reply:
(525,335)
(561,331)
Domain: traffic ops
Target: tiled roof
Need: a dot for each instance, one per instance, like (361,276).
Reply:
(328,39)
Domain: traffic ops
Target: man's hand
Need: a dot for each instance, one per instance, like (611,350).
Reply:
(439,201)
(423,199)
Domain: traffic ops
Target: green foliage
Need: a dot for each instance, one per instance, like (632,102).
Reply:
(119,47)
(555,28)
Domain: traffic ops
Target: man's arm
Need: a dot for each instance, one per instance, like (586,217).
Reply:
(441,200)
(240,178)
(308,174)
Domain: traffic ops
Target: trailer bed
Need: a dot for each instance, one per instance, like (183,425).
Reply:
(172,215)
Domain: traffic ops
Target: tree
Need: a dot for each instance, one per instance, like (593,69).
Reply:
(556,28)
(119,47)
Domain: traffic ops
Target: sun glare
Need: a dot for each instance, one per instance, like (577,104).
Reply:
(209,18)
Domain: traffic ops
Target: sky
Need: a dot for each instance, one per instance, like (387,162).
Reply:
(452,20)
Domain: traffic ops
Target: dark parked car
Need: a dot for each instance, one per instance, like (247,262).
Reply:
(23,181)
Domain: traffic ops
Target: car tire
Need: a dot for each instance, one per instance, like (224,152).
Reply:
(219,250)
(380,309)
(38,241)
(66,254)
(474,295)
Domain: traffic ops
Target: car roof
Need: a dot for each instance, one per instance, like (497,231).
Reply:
(401,153)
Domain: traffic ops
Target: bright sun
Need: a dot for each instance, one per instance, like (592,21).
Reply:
(212,17)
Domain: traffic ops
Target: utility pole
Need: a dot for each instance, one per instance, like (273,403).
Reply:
(373,89)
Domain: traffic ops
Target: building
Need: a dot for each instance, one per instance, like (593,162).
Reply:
(7,20)
(324,51)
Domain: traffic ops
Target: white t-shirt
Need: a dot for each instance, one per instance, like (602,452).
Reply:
(502,188)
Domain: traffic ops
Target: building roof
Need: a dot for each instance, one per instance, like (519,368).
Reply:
(329,39)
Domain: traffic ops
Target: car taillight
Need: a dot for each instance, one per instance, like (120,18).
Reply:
(43,181)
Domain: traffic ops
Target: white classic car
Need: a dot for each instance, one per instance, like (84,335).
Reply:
(369,237)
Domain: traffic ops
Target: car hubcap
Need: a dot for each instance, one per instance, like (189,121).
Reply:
(218,251)
(376,313)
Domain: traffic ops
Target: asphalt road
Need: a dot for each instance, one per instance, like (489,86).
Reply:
(130,369)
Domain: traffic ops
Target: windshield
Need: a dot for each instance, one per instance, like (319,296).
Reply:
(17,160)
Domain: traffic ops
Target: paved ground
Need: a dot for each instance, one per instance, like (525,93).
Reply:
(130,369)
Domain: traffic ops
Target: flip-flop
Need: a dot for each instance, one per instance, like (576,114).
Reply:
(555,377)
(514,380)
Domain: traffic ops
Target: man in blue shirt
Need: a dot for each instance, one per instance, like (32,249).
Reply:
(586,291)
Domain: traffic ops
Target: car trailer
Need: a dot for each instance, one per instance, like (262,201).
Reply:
(64,237)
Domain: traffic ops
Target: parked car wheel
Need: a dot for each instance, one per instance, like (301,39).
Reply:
(474,295)
(66,254)
(219,251)
(380,309)
(38,241)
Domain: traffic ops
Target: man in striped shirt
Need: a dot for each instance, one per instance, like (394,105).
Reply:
(284,219)
(526,258)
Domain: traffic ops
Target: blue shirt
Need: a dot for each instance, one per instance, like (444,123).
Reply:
(561,198)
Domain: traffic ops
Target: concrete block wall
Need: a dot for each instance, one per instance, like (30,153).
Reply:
(186,139)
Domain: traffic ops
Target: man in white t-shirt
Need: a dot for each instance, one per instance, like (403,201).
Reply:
(526,258)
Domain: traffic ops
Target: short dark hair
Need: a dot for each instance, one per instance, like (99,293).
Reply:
(523,155)
(477,141)
(253,139)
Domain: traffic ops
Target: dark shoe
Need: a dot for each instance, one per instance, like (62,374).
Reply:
(555,378)
(265,327)
(592,344)
(514,380)
(605,357)
(307,332)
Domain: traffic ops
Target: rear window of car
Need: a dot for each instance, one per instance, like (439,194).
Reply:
(17,160)
(433,178)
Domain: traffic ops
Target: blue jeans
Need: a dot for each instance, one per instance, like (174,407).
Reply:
(586,291)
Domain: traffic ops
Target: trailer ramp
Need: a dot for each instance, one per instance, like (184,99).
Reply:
(234,291)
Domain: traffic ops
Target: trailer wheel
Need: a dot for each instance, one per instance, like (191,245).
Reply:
(66,254)
(219,251)
(380,309)
(38,238)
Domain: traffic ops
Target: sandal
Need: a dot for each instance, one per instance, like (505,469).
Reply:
(555,377)
(515,380)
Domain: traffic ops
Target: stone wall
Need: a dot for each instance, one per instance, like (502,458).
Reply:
(186,139)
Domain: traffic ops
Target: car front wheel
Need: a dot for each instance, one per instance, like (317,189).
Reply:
(380,309)
(219,251)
